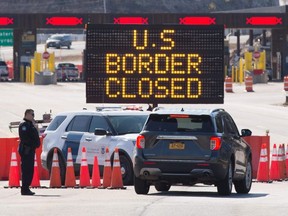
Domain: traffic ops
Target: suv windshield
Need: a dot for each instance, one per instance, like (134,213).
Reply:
(56,37)
(57,121)
(127,124)
(178,123)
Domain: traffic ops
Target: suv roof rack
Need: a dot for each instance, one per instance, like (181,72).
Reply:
(108,108)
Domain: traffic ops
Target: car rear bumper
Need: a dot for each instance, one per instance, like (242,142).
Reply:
(72,77)
(180,171)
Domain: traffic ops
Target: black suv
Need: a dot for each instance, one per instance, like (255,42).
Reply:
(59,40)
(192,146)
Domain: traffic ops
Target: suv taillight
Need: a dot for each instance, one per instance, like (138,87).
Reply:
(215,143)
(140,142)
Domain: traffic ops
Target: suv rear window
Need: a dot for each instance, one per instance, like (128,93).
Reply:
(178,123)
(66,65)
(57,121)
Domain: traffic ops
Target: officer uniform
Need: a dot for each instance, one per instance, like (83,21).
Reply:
(29,141)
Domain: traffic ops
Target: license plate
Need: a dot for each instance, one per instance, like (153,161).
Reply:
(177,145)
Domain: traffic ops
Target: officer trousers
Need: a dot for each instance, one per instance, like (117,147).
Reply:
(27,168)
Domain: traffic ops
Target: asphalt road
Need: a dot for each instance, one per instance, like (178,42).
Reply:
(265,199)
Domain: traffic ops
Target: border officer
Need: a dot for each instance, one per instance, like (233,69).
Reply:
(29,141)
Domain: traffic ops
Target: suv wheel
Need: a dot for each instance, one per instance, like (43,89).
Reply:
(244,186)
(224,187)
(126,170)
(141,186)
(162,186)
(68,46)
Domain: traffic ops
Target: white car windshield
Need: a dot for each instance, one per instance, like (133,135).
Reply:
(127,124)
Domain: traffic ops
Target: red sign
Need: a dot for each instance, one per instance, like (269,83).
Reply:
(256,54)
(272,20)
(131,20)
(46,55)
(258,71)
(6,21)
(198,20)
(64,21)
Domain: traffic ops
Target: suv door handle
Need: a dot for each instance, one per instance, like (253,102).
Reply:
(88,139)
(64,137)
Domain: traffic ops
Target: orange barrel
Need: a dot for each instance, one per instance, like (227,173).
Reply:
(286,83)
(228,84)
(249,83)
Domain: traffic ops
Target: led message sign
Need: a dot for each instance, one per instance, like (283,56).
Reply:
(154,64)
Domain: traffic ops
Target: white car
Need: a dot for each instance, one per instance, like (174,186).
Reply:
(94,130)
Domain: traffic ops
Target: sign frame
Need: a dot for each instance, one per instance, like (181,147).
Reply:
(202,55)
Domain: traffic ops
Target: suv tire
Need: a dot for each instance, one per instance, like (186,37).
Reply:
(126,169)
(224,187)
(244,186)
(141,186)
(162,186)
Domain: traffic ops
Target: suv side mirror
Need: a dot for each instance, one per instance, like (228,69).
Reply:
(100,132)
(246,132)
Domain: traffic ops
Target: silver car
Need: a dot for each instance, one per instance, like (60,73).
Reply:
(4,75)
(58,41)
(67,72)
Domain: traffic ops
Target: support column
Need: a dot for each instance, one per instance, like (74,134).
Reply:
(238,42)
(251,37)
(24,48)
(264,40)
(279,53)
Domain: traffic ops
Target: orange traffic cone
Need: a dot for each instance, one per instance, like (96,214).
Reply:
(96,174)
(35,180)
(70,180)
(263,168)
(116,179)
(249,83)
(107,170)
(84,170)
(281,162)
(14,178)
(228,84)
(274,169)
(55,178)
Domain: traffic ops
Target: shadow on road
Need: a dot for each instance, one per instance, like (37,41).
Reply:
(208,194)
(39,195)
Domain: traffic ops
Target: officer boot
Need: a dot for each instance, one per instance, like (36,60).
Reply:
(26,191)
